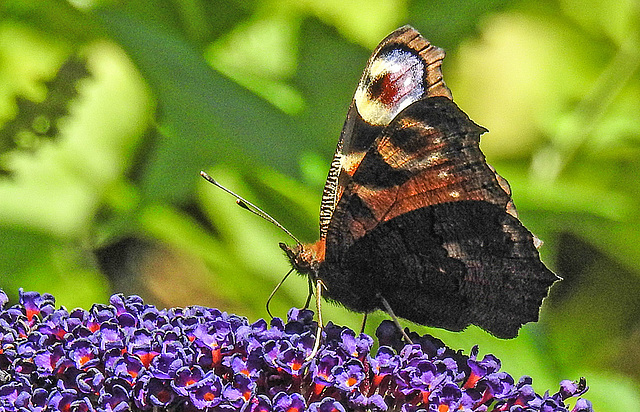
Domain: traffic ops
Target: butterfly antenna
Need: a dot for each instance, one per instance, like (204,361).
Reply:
(245,204)
(273,292)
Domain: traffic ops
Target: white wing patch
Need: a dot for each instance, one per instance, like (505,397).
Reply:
(393,81)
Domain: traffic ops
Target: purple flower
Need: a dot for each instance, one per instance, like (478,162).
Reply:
(165,365)
(243,385)
(452,398)
(260,403)
(354,346)
(480,369)
(570,389)
(140,345)
(83,354)
(3,299)
(250,365)
(283,402)
(48,359)
(582,405)
(349,375)
(327,405)
(10,392)
(186,378)
(125,366)
(114,398)
(109,336)
(130,356)
(420,378)
(361,401)
(36,401)
(153,392)
(299,321)
(206,392)
(33,303)
(90,382)
(292,360)
(262,333)
(386,362)
(321,370)
(69,400)
(500,385)
(214,335)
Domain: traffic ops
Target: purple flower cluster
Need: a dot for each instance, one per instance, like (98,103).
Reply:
(130,356)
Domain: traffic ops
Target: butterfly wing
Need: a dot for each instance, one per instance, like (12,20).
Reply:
(412,212)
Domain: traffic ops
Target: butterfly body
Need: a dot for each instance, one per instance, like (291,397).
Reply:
(411,212)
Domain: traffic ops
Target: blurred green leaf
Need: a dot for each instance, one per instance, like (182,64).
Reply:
(611,392)
(35,261)
(205,117)
(57,19)
(447,23)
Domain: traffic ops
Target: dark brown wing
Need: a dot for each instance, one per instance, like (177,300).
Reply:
(426,223)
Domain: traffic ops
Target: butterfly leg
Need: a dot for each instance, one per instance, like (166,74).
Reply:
(316,345)
(310,283)
(364,322)
(388,309)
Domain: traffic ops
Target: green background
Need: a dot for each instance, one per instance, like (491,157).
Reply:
(109,109)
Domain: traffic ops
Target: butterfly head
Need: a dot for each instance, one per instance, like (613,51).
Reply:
(306,259)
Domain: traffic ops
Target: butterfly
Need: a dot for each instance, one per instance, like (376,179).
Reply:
(413,220)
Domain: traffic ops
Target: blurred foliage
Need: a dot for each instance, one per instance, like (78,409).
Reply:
(103,193)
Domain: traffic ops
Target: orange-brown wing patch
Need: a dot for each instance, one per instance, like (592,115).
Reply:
(429,155)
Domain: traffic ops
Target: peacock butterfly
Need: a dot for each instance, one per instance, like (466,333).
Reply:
(412,215)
